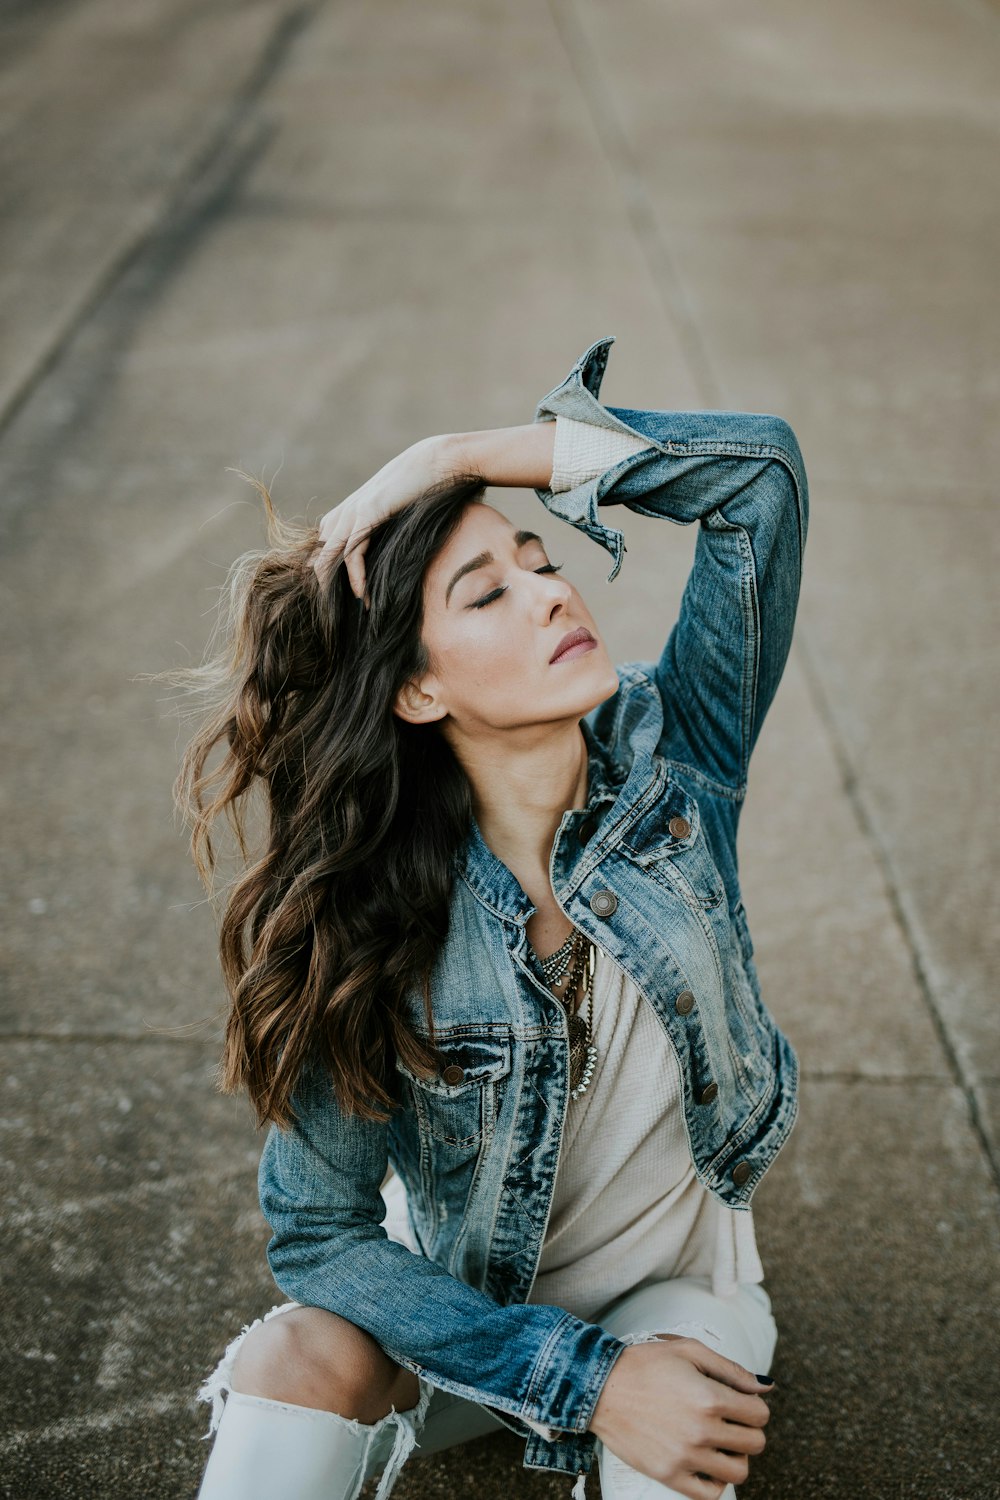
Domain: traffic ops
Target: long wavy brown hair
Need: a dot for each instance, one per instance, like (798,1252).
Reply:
(345,904)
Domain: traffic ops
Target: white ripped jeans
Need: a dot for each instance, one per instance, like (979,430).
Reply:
(265,1448)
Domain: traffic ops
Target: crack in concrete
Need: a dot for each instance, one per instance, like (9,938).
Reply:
(866,820)
(176,205)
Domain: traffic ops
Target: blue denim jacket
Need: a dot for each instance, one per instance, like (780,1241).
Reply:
(648,869)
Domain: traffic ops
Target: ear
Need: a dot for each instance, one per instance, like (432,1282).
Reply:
(416,705)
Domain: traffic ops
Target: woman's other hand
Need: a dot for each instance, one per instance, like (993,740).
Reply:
(679,1411)
(344,530)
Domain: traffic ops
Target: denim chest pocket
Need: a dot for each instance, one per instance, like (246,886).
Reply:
(669,844)
(460,1102)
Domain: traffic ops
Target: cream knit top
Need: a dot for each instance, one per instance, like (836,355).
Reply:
(628,1208)
(582,451)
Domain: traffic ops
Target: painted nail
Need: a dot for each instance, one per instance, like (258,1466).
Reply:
(765,1379)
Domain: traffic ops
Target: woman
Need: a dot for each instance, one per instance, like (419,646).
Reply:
(492,981)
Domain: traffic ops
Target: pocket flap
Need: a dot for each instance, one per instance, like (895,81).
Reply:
(465,1062)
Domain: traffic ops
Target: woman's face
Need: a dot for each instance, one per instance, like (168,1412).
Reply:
(495,614)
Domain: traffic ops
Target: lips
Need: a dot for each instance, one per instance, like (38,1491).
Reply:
(575,638)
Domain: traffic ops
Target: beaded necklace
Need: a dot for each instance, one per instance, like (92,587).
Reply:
(576,958)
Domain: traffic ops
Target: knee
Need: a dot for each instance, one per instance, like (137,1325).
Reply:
(312,1357)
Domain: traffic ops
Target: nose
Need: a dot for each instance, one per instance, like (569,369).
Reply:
(555,593)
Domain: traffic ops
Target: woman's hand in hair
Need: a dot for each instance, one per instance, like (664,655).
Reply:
(683,1414)
(344,530)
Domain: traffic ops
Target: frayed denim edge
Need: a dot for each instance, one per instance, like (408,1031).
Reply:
(689,1329)
(408,1425)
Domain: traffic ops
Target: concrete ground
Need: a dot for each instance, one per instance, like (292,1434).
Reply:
(295,237)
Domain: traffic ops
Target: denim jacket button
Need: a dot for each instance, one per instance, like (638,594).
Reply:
(603,903)
(453,1073)
(684,1003)
(707,1094)
(741,1172)
(679,827)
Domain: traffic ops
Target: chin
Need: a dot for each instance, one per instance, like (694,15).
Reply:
(603,686)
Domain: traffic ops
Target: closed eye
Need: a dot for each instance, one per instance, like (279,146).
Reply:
(495,593)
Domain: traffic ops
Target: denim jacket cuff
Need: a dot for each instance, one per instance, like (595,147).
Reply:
(569,1376)
(576,398)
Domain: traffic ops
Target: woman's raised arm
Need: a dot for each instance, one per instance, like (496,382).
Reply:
(741,476)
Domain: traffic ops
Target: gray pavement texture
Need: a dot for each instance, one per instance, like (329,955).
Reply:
(297,237)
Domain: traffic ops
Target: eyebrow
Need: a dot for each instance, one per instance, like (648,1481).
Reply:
(482,558)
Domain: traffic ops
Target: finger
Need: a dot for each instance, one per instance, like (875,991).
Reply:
(355,562)
(702,1487)
(710,1362)
(725,1468)
(736,1437)
(322,562)
(733,1406)
(337,520)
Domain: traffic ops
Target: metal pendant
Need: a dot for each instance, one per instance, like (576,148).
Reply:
(582,1056)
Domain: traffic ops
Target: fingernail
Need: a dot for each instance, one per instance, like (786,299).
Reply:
(765,1379)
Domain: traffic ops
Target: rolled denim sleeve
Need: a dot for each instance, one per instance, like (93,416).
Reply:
(741,476)
(319,1187)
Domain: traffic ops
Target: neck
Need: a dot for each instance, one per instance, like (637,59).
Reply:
(522,787)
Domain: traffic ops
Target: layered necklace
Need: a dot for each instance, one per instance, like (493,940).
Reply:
(575,958)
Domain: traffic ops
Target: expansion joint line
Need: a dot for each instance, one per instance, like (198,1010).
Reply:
(173,207)
(960,1075)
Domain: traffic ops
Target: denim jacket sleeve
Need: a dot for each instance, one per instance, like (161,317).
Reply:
(319,1185)
(741,476)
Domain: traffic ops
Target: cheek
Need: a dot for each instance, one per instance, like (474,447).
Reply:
(489,664)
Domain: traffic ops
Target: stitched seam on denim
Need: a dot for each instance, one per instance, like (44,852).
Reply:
(543,1363)
(490,905)
(425,1163)
(701,447)
(480,1394)
(488,1134)
(480,1137)
(701,912)
(634,680)
(673,879)
(500,1029)
(737,1061)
